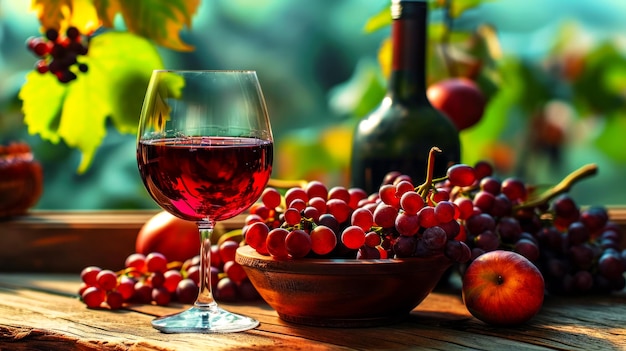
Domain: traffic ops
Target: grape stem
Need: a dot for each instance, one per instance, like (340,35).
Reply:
(563,186)
(425,187)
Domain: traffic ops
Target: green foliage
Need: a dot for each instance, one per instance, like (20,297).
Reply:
(380,20)
(120,65)
(598,87)
(590,82)
(159,20)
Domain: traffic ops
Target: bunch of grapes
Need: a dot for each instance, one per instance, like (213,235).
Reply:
(151,279)
(400,220)
(577,250)
(59,54)
(468,212)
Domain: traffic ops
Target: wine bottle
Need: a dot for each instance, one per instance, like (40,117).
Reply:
(399,133)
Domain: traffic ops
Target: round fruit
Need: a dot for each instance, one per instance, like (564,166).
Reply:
(503,288)
(175,238)
(460,99)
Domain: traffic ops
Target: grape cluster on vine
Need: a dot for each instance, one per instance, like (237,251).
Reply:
(58,54)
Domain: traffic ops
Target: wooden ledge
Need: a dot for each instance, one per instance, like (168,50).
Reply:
(67,241)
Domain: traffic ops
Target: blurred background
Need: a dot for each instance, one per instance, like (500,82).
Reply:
(554,72)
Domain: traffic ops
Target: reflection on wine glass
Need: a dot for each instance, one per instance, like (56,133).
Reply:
(204,152)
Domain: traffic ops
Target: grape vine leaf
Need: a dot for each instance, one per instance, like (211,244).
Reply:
(120,65)
(159,20)
(380,20)
(60,14)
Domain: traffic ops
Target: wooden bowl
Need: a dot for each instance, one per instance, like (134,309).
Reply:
(342,292)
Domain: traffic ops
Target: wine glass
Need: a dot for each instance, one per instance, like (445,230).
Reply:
(204,152)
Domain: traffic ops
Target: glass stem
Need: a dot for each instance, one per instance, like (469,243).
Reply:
(205,297)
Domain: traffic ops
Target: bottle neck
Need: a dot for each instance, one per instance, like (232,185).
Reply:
(408,37)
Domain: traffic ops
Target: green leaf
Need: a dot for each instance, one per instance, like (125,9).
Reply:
(598,89)
(82,123)
(120,66)
(42,96)
(610,139)
(380,20)
(125,62)
(159,20)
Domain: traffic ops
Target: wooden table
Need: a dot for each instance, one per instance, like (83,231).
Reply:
(42,312)
(41,255)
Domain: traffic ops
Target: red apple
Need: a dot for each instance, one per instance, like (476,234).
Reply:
(171,236)
(460,99)
(503,288)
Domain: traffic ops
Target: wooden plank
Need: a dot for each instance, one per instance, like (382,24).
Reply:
(66,242)
(42,312)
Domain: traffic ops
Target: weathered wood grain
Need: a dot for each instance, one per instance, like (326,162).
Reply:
(42,312)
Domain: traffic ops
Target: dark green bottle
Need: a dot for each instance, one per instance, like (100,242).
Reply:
(399,134)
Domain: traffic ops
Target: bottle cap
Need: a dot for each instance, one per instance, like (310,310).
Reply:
(397,6)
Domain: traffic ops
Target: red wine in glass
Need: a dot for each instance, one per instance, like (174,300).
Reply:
(204,153)
(196,177)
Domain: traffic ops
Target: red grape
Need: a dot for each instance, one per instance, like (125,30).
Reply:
(372,239)
(339,209)
(93,297)
(271,198)
(227,250)
(444,211)
(187,291)
(89,275)
(315,188)
(172,278)
(362,218)
(385,215)
(339,192)
(298,243)
(295,193)
(387,194)
(323,240)
(114,300)
(427,217)
(156,262)
(356,195)
(411,202)
(353,237)
(276,243)
(256,236)
(106,280)
(461,175)
(514,189)
(319,203)
(407,224)
(234,271)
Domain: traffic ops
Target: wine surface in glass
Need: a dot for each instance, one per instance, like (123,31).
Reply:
(197,178)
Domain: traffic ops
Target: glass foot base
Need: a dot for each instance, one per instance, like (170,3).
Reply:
(204,320)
